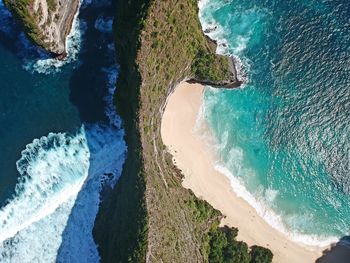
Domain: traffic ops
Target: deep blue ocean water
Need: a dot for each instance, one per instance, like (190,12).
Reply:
(285,136)
(61,140)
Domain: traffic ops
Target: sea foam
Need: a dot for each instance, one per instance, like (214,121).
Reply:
(271,217)
(104,24)
(48,65)
(220,33)
(263,199)
(52,213)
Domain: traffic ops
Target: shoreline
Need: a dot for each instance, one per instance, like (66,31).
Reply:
(177,131)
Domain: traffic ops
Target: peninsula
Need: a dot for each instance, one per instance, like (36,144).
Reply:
(46,22)
(149,216)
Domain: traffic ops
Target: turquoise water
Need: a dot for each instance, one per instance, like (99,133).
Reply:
(284,137)
(61,141)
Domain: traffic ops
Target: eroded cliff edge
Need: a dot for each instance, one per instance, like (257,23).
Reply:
(149,216)
(46,22)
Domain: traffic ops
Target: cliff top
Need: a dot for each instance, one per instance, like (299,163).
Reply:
(46,22)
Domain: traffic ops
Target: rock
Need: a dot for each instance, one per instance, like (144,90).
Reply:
(61,56)
(46,22)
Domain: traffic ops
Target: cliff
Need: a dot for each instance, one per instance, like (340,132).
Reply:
(46,22)
(150,216)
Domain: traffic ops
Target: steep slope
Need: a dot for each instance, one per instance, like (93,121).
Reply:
(150,217)
(46,22)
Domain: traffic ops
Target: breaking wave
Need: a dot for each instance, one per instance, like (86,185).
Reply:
(104,24)
(58,194)
(51,214)
(282,140)
(263,198)
(230,41)
(271,217)
(48,65)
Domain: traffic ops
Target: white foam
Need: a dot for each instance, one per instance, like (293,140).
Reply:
(273,219)
(52,214)
(112,75)
(39,180)
(47,65)
(108,154)
(263,200)
(218,33)
(104,24)
(40,241)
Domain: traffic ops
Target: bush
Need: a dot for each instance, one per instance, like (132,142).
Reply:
(260,255)
(224,248)
(218,242)
(236,252)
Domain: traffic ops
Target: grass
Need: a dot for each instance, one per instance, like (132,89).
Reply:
(150,215)
(51,5)
(21,10)
(121,227)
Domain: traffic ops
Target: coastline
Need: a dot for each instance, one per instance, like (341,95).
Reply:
(177,131)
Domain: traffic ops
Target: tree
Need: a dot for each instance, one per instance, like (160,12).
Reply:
(217,243)
(260,255)
(236,252)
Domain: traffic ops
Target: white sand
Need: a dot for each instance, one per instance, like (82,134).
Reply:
(194,158)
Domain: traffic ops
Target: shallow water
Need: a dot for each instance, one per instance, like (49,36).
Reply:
(285,134)
(61,141)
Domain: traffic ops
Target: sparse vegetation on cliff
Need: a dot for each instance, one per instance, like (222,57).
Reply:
(205,66)
(150,215)
(21,10)
(224,248)
(47,23)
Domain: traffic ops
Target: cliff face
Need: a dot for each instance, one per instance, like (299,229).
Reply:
(149,216)
(46,22)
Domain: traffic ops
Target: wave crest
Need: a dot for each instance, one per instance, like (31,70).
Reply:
(58,195)
(47,65)
(49,176)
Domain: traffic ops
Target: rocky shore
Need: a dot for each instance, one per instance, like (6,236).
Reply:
(46,22)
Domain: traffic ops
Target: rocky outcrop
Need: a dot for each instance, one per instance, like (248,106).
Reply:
(46,22)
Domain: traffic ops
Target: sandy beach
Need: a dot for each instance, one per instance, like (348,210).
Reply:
(193,156)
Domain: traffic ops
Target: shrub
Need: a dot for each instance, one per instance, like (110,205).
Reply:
(260,255)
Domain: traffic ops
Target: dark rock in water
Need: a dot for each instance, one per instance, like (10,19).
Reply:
(209,30)
(225,84)
(61,56)
(46,22)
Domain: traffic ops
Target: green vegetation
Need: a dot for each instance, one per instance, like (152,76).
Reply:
(21,10)
(150,215)
(260,255)
(203,66)
(224,248)
(121,227)
(51,5)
